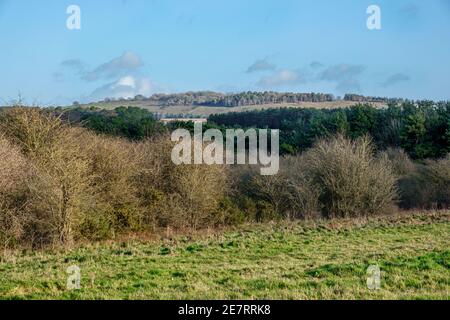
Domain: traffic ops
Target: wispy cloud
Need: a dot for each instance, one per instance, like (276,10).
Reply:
(58,76)
(341,71)
(261,65)
(395,79)
(126,63)
(349,86)
(410,9)
(123,73)
(280,78)
(316,65)
(346,76)
(74,64)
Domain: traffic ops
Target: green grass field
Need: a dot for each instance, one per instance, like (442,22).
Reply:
(302,260)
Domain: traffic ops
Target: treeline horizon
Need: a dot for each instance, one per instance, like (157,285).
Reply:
(247,98)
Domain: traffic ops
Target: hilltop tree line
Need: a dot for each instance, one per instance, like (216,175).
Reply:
(231,100)
(361,98)
(217,99)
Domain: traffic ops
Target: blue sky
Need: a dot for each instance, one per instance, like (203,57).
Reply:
(128,47)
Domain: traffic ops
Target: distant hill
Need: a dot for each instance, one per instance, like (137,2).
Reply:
(204,103)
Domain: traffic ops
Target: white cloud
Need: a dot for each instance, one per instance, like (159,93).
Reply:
(127,81)
(283,77)
(124,70)
(125,87)
(120,66)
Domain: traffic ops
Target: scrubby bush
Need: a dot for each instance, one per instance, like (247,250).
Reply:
(13,177)
(303,195)
(112,169)
(427,187)
(438,175)
(401,163)
(337,178)
(289,194)
(180,196)
(33,130)
(59,187)
(421,185)
(62,184)
(352,182)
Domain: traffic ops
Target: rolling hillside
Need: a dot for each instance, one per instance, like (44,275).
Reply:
(206,110)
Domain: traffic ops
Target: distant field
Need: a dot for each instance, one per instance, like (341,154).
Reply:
(207,110)
(303,260)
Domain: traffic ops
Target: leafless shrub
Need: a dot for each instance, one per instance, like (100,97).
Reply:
(31,129)
(289,194)
(401,163)
(112,168)
(61,189)
(59,186)
(303,195)
(428,187)
(337,178)
(352,182)
(13,177)
(179,196)
(438,174)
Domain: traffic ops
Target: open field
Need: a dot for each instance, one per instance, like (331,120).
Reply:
(298,260)
(208,110)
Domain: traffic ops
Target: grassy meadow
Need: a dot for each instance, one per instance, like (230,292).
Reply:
(286,260)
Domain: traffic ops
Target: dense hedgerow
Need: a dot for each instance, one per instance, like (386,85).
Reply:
(426,186)
(62,184)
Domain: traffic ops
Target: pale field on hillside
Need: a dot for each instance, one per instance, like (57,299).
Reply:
(208,110)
